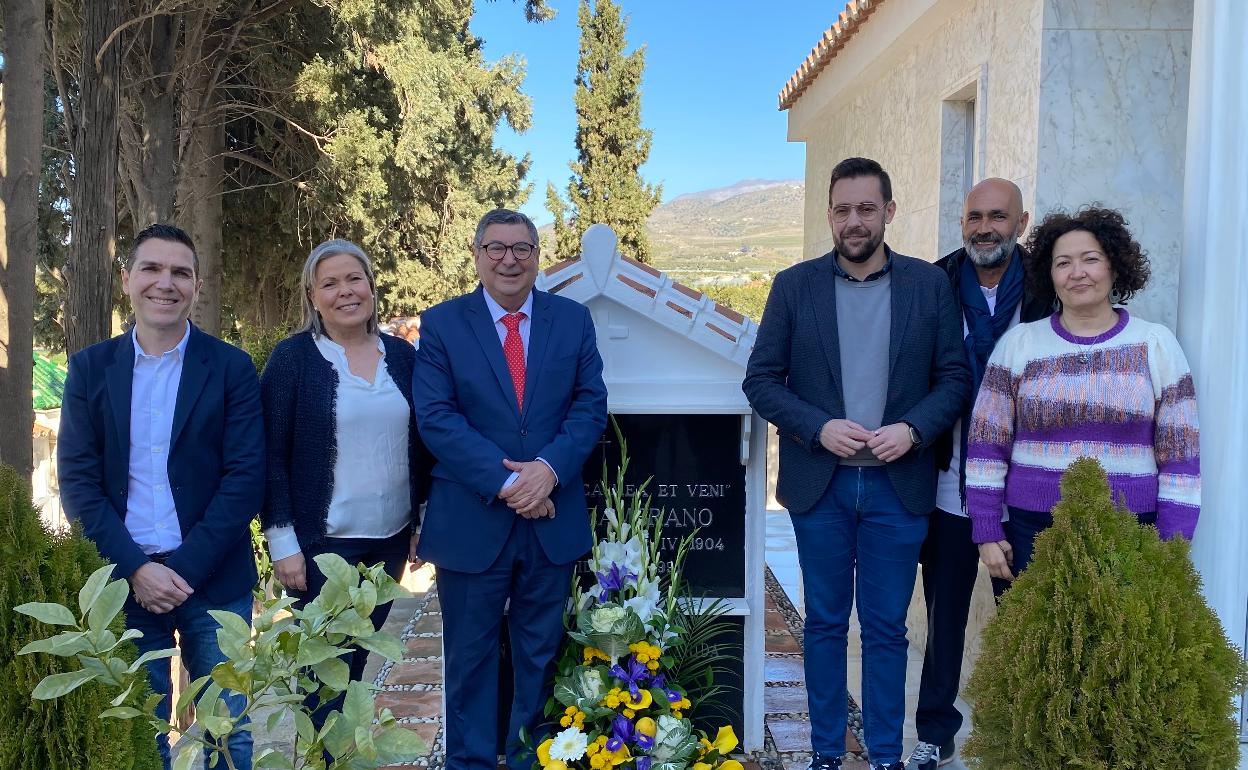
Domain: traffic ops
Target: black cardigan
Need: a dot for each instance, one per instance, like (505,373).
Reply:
(299,391)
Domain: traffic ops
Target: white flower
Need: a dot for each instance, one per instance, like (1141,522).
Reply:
(592,685)
(646,601)
(611,517)
(603,619)
(569,745)
(627,556)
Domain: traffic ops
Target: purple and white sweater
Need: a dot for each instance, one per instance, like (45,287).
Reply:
(1124,397)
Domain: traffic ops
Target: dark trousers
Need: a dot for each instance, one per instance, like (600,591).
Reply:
(472,615)
(393,552)
(858,538)
(950,564)
(1021,531)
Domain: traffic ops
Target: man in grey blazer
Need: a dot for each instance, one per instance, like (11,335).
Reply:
(859,364)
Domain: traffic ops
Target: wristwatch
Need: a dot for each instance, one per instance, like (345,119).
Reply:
(915,438)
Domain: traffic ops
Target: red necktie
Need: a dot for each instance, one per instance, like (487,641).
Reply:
(513,349)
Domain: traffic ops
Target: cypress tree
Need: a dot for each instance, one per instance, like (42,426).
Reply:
(611,145)
(1104,654)
(37,565)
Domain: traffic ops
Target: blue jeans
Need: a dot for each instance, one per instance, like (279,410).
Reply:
(197,633)
(859,522)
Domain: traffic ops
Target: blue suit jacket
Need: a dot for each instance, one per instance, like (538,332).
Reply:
(793,379)
(466,409)
(216,459)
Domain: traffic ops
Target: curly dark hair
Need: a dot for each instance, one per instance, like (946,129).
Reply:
(1109,227)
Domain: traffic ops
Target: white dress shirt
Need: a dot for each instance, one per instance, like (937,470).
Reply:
(151,517)
(372,484)
(497,312)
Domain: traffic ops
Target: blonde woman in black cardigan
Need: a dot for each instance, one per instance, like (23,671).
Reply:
(346,468)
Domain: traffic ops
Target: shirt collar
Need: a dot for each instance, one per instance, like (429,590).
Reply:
(840,271)
(180,348)
(497,311)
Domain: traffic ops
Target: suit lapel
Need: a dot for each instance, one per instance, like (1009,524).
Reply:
(119,379)
(902,304)
(539,337)
(823,295)
(194,375)
(483,327)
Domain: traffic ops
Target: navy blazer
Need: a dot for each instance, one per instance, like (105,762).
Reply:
(216,459)
(793,378)
(468,417)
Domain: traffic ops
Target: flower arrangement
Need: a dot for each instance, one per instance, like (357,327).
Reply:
(616,702)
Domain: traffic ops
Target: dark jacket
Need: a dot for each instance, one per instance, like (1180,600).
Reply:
(299,389)
(215,465)
(793,378)
(1033,309)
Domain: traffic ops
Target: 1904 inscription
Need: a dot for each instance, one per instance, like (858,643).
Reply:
(697,486)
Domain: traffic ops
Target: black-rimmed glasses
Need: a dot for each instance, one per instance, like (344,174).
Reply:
(496,250)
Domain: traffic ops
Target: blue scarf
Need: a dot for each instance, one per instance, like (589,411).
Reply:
(984,329)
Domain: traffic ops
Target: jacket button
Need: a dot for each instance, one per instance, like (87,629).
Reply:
(523,433)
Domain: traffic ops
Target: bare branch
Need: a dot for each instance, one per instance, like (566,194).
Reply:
(263,165)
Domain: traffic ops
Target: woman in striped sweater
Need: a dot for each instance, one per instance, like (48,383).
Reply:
(1090,381)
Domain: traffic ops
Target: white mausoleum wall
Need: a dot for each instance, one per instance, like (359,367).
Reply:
(883,97)
(1113,124)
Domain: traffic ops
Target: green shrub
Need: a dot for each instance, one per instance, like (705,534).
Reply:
(42,566)
(1104,653)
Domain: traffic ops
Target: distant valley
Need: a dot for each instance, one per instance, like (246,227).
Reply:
(724,235)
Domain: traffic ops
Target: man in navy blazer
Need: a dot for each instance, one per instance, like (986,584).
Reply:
(161,458)
(510,400)
(859,364)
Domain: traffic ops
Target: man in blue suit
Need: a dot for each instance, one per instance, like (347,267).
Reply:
(510,400)
(859,364)
(161,457)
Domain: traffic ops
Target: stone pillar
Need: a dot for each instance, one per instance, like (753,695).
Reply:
(1213,298)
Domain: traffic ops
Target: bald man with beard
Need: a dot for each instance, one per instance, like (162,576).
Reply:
(990,286)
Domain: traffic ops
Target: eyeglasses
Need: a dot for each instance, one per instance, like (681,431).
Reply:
(867,212)
(496,250)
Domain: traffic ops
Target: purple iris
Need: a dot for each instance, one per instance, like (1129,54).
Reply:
(621,732)
(643,763)
(644,742)
(637,674)
(659,680)
(612,580)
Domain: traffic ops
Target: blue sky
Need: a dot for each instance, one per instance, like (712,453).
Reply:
(713,70)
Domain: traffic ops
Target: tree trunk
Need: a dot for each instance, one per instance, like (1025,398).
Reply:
(158,184)
(21,137)
(200,187)
(207,177)
(92,252)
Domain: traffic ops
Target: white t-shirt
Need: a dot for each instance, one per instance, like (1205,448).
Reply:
(948,498)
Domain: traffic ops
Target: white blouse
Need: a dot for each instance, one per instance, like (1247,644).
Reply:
(372,484)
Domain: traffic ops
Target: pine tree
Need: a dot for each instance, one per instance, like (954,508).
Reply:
(37,565)
(606,185)
(1104,654)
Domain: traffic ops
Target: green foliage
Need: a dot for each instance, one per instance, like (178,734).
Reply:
(1104,654)
(41,566)
(606,185)
(52,238)
(285,655)
(748,299)
(377,125)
